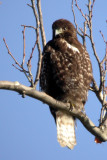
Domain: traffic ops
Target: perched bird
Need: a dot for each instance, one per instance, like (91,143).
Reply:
(66,75)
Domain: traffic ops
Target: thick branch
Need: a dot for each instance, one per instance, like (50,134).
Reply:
(24,90)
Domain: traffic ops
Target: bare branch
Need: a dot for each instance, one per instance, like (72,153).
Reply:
(103,71)
(41,23)
(28,26)
(31,55)
(85,16)
(38,71)
(21,70)
(38,44)
(82,34)
(79,33)
(29,63)
(23,61)
(90,9)
(89,23)
(92,5)
(29,5)
(88,124)
(28,73)
(91,34)
(37,24)
(102,36)
(85,30)
(11,54)
(101,90)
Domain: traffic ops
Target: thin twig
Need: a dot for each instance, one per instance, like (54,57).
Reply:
(21,70)
(28,26)
(85,16)
(103,73)
(29,63)
(37,24)
(85,30)
(41,23)
(23,61)
(102,36)
(38,71)
(93,45)
(104,59)
(91,36)
(79,33)
(31,55)
(88,21)
(103,88)
(92,6)
(11,54)
(98,93)
(29,5)
(38,44)
(20,66)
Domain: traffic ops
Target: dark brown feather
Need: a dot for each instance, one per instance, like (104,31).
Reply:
(66,68)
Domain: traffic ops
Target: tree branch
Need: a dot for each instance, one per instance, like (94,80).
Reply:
(24,54)
(39,22)
(79,33)
(31,92)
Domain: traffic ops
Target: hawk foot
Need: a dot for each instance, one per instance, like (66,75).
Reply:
(71,107)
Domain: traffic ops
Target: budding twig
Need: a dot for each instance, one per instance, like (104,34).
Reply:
(79,33)
(23,61)
(84,15)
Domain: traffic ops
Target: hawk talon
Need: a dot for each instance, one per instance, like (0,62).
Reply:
(71,107)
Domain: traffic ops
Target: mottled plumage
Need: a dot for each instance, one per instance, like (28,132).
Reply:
(66,75)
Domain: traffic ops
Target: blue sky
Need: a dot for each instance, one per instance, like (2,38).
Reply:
(27,129)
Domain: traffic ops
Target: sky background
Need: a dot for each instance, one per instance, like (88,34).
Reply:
(27,129)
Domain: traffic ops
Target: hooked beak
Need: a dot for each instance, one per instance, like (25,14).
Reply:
(57,32)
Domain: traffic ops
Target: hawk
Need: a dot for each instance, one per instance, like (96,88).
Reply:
(66,75)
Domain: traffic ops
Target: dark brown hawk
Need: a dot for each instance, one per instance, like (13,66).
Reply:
(66,75)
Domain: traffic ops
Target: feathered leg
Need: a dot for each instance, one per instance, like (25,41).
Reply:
(65,129)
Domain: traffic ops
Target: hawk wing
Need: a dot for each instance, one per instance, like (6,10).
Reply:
(66,76)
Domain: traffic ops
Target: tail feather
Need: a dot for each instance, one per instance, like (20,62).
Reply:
(65,129)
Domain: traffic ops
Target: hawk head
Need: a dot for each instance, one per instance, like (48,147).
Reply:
(63,28)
